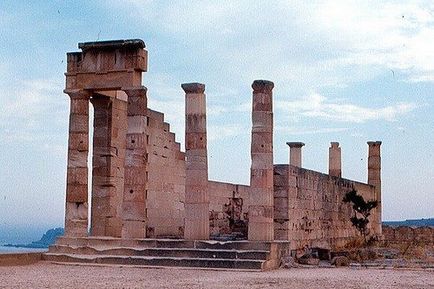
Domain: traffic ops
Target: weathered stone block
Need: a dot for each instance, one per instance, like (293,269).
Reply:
(78,141)
(78,123)
(137,124)
(76,193)
(114,227)
(195,103)
(261,178)
(262,161)
(259,196)
(77,159)
(262,142)
(79,106)
(76,212)
(133,229)
(281,193)
(134,193)
(195,140)
(133,210)
(262,102)
(135,158)
(136,105)
(195,123)
(196,196)
(77,175)
(136,141)
(75,228)
(135,175)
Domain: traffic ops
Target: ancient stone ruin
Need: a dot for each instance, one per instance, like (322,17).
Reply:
(145,188)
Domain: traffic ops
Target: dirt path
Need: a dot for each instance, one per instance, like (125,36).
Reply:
(47,275)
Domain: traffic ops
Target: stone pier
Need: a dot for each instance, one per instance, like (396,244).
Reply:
(335,163)
(295,158)
(196,182)
(374,178)
(110,127)
(135,187)
(76,211)
(261,177)
(109,75)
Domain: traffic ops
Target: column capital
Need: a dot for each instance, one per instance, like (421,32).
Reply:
(295,144)
(262,86)
(334,144)
(139,91)
(374,143)
(193,87)
(78,93)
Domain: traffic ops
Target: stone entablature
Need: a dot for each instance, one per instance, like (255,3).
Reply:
(107,65)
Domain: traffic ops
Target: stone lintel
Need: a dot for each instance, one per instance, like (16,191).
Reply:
(112,44)
(78,93)
(374,143)
(193,87)
(295,144)
(135,88)
(264,86)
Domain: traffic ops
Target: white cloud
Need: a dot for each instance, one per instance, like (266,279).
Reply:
(308,130)
(382,33)
(33,111)
(218,132)
(299,43)
(318,106)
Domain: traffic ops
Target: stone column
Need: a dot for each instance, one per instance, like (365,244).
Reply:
(261,227)
(76,211)
(335,166)
(196,182)
(110,125)
(374,178)
(295,158)
(135,188)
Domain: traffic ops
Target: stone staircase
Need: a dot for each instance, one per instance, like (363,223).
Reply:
(232,255)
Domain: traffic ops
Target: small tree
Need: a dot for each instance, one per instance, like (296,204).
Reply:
(361,208)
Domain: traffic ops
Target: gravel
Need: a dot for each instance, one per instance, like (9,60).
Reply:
(48,275)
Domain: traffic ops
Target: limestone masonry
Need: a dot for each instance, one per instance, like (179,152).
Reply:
(144,186)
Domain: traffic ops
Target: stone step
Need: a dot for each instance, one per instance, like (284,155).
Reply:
(156,261)
(163,243)
(163,252)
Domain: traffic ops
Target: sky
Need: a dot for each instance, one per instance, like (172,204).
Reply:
(345,71)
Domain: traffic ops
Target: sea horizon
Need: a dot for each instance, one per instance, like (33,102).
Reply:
(7,249)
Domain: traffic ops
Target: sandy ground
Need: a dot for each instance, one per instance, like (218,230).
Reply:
(47,275)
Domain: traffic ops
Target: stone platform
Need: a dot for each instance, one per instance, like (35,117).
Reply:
(245,255)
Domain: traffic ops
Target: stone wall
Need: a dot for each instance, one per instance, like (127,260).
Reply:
(308,207)
(404,234)
(228,207)
(166,180)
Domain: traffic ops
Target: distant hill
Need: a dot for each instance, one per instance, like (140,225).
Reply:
(411,223)
(47,239)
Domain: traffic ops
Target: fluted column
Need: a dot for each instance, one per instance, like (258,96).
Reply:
(295,158)
(196,182)
(261,226)
(135,188)
(374,178)
(76,209)
(335,165)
